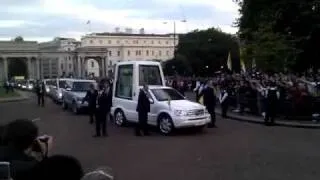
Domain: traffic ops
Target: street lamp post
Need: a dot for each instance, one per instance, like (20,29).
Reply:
(174,36)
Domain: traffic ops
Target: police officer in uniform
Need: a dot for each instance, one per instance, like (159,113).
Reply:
(91,98)
(224,100)
(104,103)
(143,108)
(209,100)
(40,90)
(272,97)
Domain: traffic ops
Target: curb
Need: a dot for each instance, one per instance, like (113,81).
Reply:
(22,97)
(277,123)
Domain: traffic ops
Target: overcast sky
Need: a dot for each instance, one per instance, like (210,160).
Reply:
(42,20)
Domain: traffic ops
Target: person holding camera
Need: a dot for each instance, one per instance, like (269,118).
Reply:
(22,147)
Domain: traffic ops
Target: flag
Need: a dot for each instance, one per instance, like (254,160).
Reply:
(243,66)
(229,62)
(88,22)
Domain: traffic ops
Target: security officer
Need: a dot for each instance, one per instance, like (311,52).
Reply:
(40,90)
(143,108)
(224,100)
(91,98)
(104,103)
(209,100)
(272,96)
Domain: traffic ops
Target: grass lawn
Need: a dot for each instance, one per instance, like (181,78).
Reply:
(3,93)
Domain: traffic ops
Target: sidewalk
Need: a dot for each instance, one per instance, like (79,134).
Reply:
(23,96)
(279,122)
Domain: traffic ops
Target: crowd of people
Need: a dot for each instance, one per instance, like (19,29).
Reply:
(295,96)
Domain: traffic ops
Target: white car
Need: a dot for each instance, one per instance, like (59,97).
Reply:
(169,110)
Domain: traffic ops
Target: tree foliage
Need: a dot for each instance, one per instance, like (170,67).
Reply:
(18,39)
(203,52)
(279,33)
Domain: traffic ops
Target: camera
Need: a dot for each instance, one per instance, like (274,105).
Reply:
(36,147)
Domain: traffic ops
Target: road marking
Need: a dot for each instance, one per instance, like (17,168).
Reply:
(36,119)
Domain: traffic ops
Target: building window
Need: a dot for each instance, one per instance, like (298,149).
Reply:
(159,42)
(152,42)
(128,53)
(69,58)
(167,42)
(91,41)
(118,53)
(167,53)
(137,52)
(160,53)
(69,49)
(110,53)
(147,52)
(152,53)
(100,41)
(144,42)
(109,41)
(127,42)
(92,64)
(70,66)
(61,66)
(110,63)
(118,42)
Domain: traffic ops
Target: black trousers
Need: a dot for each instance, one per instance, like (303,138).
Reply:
(101,122)
(270,115)
(213,116)
(143,123)
(92,112)
(224,109)
(40,99)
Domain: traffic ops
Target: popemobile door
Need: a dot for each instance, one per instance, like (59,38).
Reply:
(124,91)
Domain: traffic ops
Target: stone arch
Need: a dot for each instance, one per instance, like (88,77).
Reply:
(17,67)
(92,67)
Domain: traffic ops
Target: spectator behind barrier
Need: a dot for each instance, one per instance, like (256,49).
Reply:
(57,167)
(20,143)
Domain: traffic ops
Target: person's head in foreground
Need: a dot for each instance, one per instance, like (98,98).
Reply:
(20,134)
(98,175)
(58,167)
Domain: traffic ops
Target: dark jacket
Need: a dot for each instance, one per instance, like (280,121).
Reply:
(105,101)
(40,89)
(21,164)
(91,98)
(143,105)
(209,98)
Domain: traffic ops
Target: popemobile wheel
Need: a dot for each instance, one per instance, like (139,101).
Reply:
(119,118)
(165,125)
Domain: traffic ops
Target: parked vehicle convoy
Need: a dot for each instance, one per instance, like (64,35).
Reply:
(55,89)
(74,93)
(169,109)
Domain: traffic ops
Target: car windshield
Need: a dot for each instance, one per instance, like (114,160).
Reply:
(81,86)
(62,84)
(167,94)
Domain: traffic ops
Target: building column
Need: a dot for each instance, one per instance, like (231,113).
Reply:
(83,69)
(5,68)
(29,64)
(103,67)
(106,66)
(38,68)
(79,66)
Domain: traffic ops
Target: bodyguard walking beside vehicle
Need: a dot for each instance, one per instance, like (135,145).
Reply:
(91,98)
(40,90)
(209,100)
(104,103)
(143,108)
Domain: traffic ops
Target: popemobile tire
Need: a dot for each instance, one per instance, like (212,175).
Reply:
(165,124)
(119,118)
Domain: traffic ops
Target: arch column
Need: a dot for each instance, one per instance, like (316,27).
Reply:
(29,65)
(5,67)
(38,67)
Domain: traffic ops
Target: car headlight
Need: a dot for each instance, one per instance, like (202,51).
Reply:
(206,111)
(79,99)
(179,112)
(60,94)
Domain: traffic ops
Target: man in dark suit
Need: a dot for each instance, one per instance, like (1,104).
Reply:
(209,100)
(143,108)
(104,103)
(40,90)
(91,98)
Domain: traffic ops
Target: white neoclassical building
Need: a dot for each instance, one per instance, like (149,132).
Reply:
(92,68)
(126,46)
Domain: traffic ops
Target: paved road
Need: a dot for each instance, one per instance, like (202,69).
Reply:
(234,151)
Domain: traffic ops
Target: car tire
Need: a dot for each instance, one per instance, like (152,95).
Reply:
(75,109)
(165,124)
(119,118)
(64,105)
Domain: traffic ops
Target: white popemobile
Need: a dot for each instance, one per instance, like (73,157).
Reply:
(169,109)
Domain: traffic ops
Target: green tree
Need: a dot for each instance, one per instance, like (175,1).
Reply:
(19,39)
(204,52)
